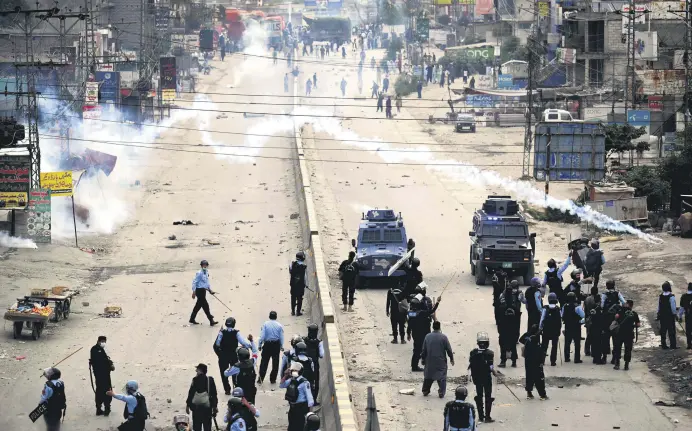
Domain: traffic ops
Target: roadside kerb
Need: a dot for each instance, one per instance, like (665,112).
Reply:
(335,395)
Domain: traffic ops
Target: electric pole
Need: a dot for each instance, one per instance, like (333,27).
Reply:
(528,132)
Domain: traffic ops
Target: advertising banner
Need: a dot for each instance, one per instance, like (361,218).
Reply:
(91,112)
(483,53)
(59,183)
(168,73)
(639,118)
(640,11)
(12,200)
(15,173)
(39,221)
(109,86)
(91,96)
(167,96)
(479,100)
(334,4)
(505,81)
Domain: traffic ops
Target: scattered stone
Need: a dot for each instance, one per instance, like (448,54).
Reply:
(172,237)
(85,304)
(586,415)
(271,215)
(232,200)
(169,401)
(406,391)
(666,403)
(183,222)
(294,216)
(554,425)
(237,228)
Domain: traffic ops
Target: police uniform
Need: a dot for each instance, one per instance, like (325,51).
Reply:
(418,328)
(53,396)
(510,321)
(666,317)
(297,271)
(101,366)
(572,316)
(481,366)
(551,324)
(686,312)
(225,347)
(299,406)
(628,322)
(534,357)
(315,351)
(459,416)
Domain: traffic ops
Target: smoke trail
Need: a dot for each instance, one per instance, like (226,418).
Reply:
(461,171)
(14,242)
(254,65)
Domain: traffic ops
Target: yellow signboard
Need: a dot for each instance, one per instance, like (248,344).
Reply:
(59,183)
(167,95)
(543,8)
(10,200)
(443,2)
(467,2)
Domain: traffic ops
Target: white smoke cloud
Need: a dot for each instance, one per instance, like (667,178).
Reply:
(457,170)
(15,242)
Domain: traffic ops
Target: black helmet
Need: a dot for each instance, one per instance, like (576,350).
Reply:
(243,354)
(296,339)
(422,288)
(235,404)
(204,262)
(514,284)
(312,330)
(571,296)
(461,393)
(415,304)
(230,322)
(415,262)
(300,255)
(312,422)
(301,347)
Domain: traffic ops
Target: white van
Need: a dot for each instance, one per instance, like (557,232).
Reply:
(557,116)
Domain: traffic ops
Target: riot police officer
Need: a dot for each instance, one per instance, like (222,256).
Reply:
(510,321)
(551,325)
(459,414)
(413,277)
(53,396)
(481,365)
(315,351)
(244,374)
(297,270)
(226,348)
(572,316)
(533,298)
(397,309)
(419,327)
(499,286)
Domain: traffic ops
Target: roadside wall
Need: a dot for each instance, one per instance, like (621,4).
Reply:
(336,409)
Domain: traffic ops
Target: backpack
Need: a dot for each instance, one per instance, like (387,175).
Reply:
(593,261)
(292,390)
(141,413)
(349,273)
(458,414)
(552,322)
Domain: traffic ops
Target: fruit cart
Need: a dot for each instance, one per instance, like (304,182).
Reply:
(31,315)
(59,295)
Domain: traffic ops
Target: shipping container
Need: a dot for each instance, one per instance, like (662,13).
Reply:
(632,210)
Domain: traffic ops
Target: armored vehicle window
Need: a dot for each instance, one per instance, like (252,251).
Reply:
(393,235)
(493,230)
(515,231)
(371,235)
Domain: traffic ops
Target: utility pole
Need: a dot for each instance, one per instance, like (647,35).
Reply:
(528,132)
(686,59)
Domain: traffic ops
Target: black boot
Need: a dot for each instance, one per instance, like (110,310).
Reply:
(99,412)
(488,408)
(107,410)
(617,364)
(627,365)
(479,407)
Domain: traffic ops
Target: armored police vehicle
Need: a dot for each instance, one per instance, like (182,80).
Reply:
(500,240)
(381,243)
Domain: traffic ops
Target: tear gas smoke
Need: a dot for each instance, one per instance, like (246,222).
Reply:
(14,242)
(462,172)
(103,202)
(254,65)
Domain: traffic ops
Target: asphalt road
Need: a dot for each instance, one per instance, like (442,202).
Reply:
(244,204)
(437,204)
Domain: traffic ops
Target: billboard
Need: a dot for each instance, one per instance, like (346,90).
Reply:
(482,53)
(15,173)
(38,222)
(640,11)
(505,81)
(109,86)
(646,45)
(334,4)
(479,100)
(639,118)
(168,73)
(59,183)
(13,200)
(577,152)
(91,95)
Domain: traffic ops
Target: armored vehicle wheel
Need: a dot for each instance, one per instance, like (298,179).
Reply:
(17,332)
(480,274)
(473,269)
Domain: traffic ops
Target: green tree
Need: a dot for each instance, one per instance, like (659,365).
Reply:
(390,13)
(648,182)
(676,169)
(619,139)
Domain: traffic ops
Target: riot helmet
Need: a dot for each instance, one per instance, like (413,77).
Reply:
(483,340)
(421,288)
(571,297)
(296,339)
(552,298)
(52,373)
(230,322)
(535,282)
(415,304)
(575,274)
(460,393)
(312,422)
(312,330)
(131,387)
(235,404)
(301,348)
(238,392)
(300,255)
(415,262)
(514,284)
(243,354)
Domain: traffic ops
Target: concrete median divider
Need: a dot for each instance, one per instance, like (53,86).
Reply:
(336,402)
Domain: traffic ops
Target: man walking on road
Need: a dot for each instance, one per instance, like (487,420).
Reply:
(200,286)
(297,271)
(436,348)
(202,400)
(101,365)
(271,343)
(348,271)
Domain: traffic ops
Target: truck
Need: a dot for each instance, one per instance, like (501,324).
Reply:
(333,29)
(500,240)
(381,244)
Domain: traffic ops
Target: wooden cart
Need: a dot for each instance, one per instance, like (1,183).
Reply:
(34,322)
(62,303)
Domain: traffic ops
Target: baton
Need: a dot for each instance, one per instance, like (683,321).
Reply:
(510,391)
(447,285)
(216,423)
(65,358)
(92,380)
(222,303)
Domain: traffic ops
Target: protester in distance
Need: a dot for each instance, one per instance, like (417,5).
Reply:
(202,399)
(436,349)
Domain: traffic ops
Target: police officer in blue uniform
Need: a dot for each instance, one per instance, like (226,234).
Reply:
(315,351)
(243,373)
(271,344)
(53,396)
(573,316)
(551,325)
(200,287)
(419,327)
(298,395)
(226,348)
(235,416)
(135,412)
(297,270)
(459,414)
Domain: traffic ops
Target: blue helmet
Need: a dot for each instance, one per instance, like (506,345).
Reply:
(552,297)
(535,282)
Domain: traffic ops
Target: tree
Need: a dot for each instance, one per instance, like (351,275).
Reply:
(648,182)
(619,139)
(391,15)
(676,169)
